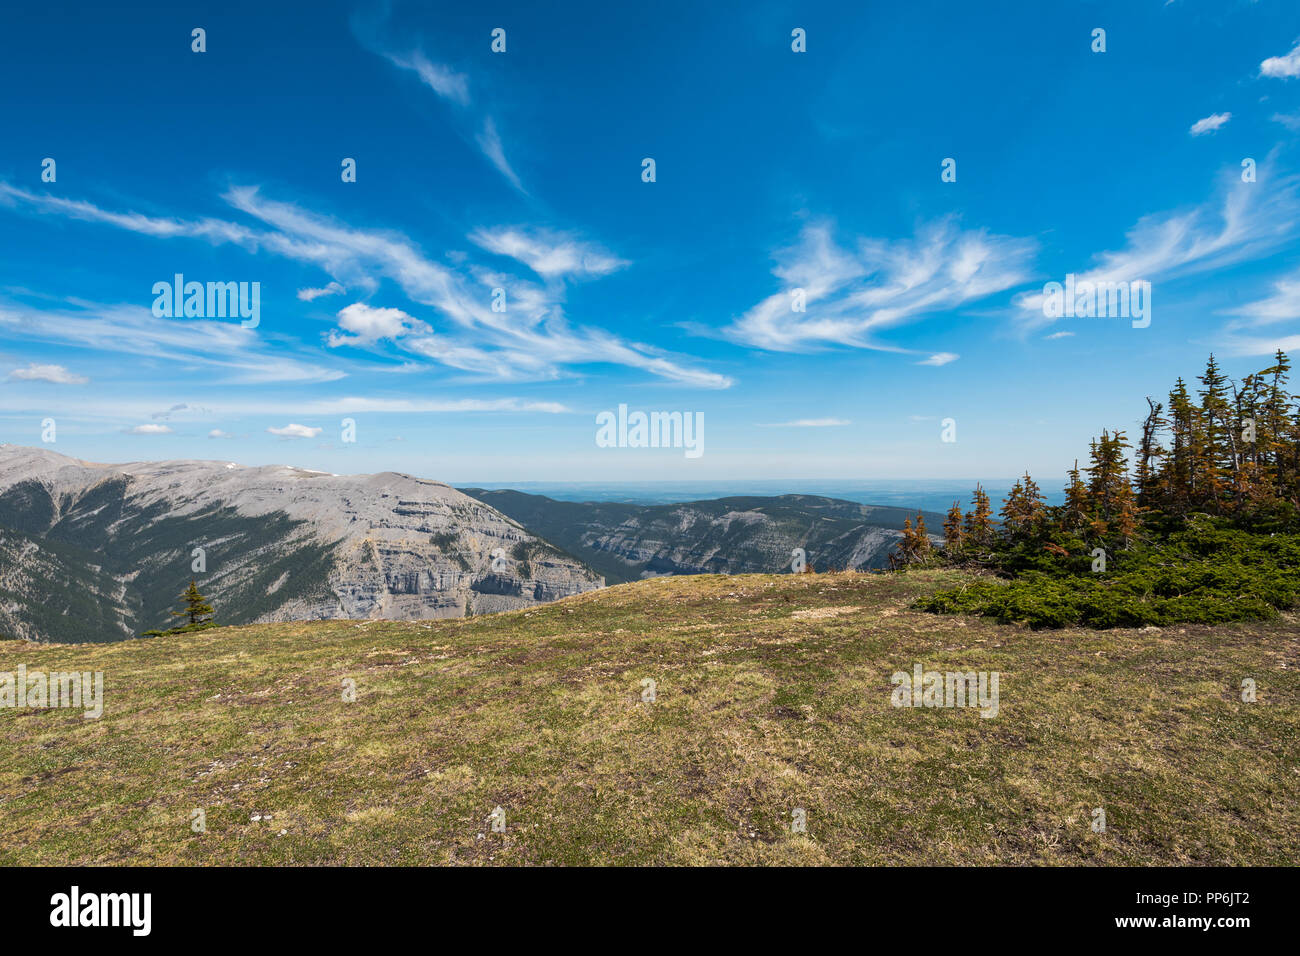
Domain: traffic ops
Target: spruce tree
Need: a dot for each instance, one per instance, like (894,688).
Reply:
(1074,514)
(1023,512)
(197,610)
(1180,475)
(1108,486)
(979,521)
(1216,451)
(920,538)
(196,606)
(952,530)
(1149,454)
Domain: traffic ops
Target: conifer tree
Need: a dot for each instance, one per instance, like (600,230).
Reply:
(920,538)
(952,530)
(1216,449)
(1074,514)
(1149,454)
(979,520)
(1023,512)
(196,606)
(1108,485)
(1273,426)
(906,546)
(1180,475)
(197,610)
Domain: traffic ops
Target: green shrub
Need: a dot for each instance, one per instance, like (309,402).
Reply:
(1207,573)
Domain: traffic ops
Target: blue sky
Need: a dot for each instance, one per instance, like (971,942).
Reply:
(775,170)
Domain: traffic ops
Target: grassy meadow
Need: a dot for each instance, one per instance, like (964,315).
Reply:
(772,692)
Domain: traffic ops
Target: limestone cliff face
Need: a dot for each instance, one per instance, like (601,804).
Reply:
(94,552)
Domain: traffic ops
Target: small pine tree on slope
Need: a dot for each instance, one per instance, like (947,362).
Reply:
(196,609)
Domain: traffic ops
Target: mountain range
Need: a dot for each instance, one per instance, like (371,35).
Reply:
(95,552)
(737,535)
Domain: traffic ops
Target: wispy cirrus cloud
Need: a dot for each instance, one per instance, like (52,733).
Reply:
(450,85)
(489,140)
(225,351)
(1242,222)
(551,255)
(1254,328)
(850,294)
(533,339)
(213,230)
(808,423)
(438,77)
(221,409)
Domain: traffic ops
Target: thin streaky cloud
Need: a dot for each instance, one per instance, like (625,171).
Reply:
(808,423)
(1282,306)
(438,77)
(293,430)
(940,358)
(231,354)
(489,140)
(1254,328)
(550,255)
(311,295)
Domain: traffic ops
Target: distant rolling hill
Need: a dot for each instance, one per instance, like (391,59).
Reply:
(738,535)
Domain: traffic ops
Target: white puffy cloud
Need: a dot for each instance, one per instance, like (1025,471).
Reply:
(368,325)
(1286,65)
(55,374)
(1209,124)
